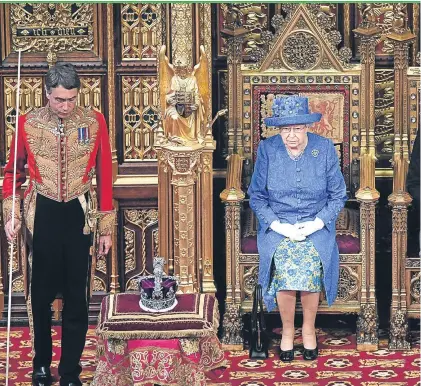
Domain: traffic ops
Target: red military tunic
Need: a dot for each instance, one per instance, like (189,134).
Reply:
(62,158)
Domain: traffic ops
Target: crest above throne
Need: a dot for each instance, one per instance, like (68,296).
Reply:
(302,42)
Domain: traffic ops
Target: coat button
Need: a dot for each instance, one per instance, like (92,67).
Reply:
(298,170)
(298,179)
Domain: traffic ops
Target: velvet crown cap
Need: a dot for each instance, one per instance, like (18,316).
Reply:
(157,291)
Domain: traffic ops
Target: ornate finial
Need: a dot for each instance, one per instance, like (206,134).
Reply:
(367,14)
(399,24)
(159,134)
(51,58)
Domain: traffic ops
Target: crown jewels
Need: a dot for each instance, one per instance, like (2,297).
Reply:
(157,291)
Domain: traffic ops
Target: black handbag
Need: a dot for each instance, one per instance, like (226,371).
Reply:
(259,338)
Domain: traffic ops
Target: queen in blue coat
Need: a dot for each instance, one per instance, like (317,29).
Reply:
(297,191)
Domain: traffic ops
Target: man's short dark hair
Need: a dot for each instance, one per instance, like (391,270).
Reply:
(62,74)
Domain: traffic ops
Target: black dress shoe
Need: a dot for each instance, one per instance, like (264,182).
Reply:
(311,354)
(41,376)
(286,356)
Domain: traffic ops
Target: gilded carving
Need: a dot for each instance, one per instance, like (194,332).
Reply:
(206,41)
(129,250)
(301,51)
(90,92)
(399,220)
(232,325)
(35,27)
(182,34)
(325,15)
(140,116)
(99,285)
(318,21)
(139,24)
(415,287)
(398,334)
(132,285)
(349,283)
(142,218)
(367,325)
(386,16)
(101,264)
(251,17)
(250,280)
(384,113)
(30,98)
(18,285)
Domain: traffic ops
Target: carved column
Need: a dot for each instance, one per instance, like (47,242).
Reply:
(367,195)
(206,216)
(234,37)
(399,200)
(183,163)
(233,196)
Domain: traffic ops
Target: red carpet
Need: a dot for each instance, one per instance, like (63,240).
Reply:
(339,364)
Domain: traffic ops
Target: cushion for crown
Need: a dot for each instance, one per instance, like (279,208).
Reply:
(195,315)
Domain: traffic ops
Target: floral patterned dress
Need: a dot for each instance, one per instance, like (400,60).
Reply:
(297,267)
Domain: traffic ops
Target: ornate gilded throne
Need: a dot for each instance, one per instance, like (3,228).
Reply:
(302,58)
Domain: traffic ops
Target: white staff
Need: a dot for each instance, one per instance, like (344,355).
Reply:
(9,307)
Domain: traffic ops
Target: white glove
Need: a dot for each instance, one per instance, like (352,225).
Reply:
(309,227)
(287,230)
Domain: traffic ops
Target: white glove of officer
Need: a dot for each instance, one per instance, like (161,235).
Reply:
(308,227)
(287,230)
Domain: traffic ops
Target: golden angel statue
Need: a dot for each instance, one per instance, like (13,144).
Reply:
(184,98)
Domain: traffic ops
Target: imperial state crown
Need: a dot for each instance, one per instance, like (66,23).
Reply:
(157,291)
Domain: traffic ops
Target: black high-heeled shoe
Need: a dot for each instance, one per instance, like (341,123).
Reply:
(286,356)
(311,354)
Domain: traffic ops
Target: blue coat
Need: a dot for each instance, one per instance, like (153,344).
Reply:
(296,191)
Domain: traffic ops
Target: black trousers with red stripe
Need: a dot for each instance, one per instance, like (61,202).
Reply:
(60,264)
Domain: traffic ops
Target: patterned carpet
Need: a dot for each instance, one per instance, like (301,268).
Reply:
(339,364)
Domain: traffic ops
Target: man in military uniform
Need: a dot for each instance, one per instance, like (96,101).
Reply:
(63,146)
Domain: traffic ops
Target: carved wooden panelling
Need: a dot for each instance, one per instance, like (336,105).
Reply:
(34,27)
(140,116)
(90,94)
(30,96)
(139,23)
(61,29)
(140,244)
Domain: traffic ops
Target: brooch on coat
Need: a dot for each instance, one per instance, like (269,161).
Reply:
(83,135)
(314,152)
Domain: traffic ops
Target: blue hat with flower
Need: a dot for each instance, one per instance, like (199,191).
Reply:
(291,110)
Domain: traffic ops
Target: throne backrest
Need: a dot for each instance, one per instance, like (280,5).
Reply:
(302,61)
